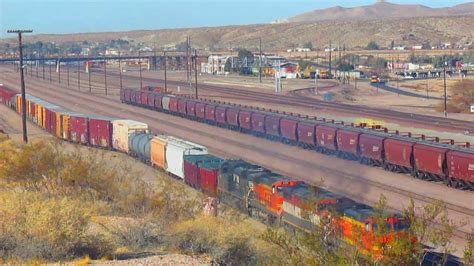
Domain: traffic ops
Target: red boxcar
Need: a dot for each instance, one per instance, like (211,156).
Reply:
(306,133)
(208,173)
(258,122)
(245,119)
(158,103)
(461,166)
(191,173)
(191,108)
(173,104)
(326,137)
(211,112)
(371,146)
(200,110)
(272,125)
(288,128)
(347,140)
(182,106)
(398,152)
(430,159)
(79,129)
(100,132)
(220,115)
(6,96)
(232,116)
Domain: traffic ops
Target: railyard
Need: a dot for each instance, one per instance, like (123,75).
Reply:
(349,178)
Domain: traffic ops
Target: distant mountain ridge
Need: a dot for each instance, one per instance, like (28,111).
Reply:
(382,10)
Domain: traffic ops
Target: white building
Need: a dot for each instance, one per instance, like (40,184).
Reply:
(215,65)
(111,51)
(399,47)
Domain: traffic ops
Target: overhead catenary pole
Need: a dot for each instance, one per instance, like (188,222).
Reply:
(89,75)
(445,88)
(43,62)
(260,62)
(105,76)
(140,68)
(166,80)
(79,75)
(22,80)
(67,72)
(59,70)
(49,66)
(195,73)
(120,70)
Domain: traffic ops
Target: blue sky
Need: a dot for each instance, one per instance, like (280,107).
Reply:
(71,16)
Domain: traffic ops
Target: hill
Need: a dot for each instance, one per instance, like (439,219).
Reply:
(382,10)
(409,31)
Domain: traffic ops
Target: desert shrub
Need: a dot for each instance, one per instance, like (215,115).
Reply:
(37,226)
(135,234)
(462,96)
(226,242)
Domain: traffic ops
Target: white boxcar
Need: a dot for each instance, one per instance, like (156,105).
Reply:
(175,151)
(122,129)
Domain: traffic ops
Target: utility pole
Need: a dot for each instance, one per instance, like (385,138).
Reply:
(67,71)
(22,79)
(79,75)
(49,66)
(195,73)
(59,70)
(43,67)
(120,70)
(445,88)
(330,59)
(260,61)
(166,81)
(89,75)
(105,76)
(187,58)
(140,68)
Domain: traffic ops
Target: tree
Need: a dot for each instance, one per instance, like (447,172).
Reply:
(244,53)
(304,64)
(426,46)
(308,45)
(373,46)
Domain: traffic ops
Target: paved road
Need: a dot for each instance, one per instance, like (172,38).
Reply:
(384,86)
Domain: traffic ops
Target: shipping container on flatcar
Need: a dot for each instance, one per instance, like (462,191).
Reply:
(306,133)
(430,161)
(371,149)
(100,131)
(461,168)
(175,150)
(326,139)
(399,154)
(139,144)
(122,129)
(348,142)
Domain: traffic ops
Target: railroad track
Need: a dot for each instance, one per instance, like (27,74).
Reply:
(298,98)
(245,148)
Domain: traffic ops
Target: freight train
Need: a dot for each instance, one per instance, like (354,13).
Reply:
(261,193)
(426,158)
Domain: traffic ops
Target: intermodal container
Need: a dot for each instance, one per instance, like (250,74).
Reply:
(232,116)
(461,165)
(122,129)
(272,125)
(191,108)
(258,122)
(398,152)
(182,106)
(326,137)
(100,131)
(211,112)
(200,110)
(348,140)
(430,159)
(288,128)
(245,119)
(140,144)
(371,146)
(80,129)
(306,133)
